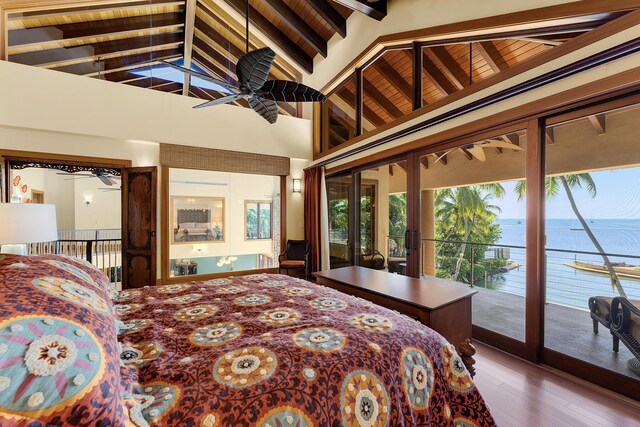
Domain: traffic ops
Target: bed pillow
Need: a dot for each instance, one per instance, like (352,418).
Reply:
(59,358)
(188,225)
(203,225)
(84,271)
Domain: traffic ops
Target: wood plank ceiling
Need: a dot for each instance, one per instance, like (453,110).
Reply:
(387,80)
(125,42)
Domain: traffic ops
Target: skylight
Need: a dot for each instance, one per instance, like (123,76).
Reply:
(167,73)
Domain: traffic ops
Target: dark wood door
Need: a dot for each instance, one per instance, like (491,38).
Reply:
(139,198)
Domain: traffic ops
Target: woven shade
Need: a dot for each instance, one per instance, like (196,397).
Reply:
(186,157)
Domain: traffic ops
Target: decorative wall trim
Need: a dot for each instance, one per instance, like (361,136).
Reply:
(187,157)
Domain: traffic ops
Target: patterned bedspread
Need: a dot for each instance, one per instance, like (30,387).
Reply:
(271,350)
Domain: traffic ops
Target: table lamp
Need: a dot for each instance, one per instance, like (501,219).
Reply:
(22,223)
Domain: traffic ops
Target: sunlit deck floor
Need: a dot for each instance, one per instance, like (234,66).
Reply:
(568,330)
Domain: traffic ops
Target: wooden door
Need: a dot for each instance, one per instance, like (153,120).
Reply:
(139,198)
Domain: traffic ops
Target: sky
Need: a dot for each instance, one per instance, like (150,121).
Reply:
(618,197)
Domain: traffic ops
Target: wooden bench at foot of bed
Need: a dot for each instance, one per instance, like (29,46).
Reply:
(442,305)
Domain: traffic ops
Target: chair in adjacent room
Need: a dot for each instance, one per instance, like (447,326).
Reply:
(296,256)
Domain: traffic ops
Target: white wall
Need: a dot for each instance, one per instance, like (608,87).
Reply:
(36,98)
(57,191)
(103,210)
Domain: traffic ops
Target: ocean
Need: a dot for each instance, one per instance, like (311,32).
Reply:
(566,285)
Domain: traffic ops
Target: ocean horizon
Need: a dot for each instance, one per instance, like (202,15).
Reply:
(567,243)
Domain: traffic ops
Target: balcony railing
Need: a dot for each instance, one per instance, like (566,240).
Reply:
(572,276)
(102,248)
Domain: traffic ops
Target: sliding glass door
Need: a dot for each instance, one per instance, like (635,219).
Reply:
(473,221)
(340,199)
(592,182)
(382,217)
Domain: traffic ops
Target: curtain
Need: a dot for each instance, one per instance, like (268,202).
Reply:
(324,224)
(312,193)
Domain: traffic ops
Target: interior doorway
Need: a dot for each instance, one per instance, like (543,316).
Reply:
(90,200)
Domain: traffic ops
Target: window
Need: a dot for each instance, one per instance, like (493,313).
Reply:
(257,220)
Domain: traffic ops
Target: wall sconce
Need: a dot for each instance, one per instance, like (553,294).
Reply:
(297,185)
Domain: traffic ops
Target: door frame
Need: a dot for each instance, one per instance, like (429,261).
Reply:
(8,156)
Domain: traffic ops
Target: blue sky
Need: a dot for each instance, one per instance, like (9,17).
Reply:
(618,197)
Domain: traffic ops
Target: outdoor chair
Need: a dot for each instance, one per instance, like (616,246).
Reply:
(600,308)
(374,261)
(625,327)
(295,257)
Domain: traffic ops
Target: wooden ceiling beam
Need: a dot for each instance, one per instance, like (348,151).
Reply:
(374,9)
(466,153)
(189,27)
(84,30)
(449,66)
(349,98)
(227,68)
(95,7)
(598,122)
(550,135)
(511,138)
(222,45)
(403,168)
(424,161)
(93,50)
(436,76)
(492,56)
(113,64)
(298,25)
(372,92)
(210,67)
(231,47)
(169,87)
(393,77)
(274,34)
(330,15)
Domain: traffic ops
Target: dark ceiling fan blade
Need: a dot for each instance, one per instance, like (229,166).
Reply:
(105,180)
(288,91)
(267,108)
(253,68)
(219,101)
(202,76)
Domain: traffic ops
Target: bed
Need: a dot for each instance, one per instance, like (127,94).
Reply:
(265,350)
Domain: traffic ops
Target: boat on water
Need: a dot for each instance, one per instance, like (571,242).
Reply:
(632,271)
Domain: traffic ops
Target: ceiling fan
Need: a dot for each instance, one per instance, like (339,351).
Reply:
(477,149)
(106,177)
(252,71)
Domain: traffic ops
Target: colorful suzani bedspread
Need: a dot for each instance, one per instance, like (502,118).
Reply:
(270,350)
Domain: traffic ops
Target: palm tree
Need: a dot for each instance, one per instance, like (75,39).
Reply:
(551,185)
(464,208)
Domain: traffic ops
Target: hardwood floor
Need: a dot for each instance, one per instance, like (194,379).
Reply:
(522,394)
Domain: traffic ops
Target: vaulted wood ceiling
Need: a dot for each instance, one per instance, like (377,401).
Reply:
(387,80)
(125,42)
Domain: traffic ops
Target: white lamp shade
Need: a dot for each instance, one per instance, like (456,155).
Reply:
(27,223)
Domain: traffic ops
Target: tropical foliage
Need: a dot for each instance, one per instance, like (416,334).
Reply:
(464,215)
(552,186)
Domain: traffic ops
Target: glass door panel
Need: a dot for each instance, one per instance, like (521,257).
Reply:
(339,197)
(383,218)
(592,235)
(472,222)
